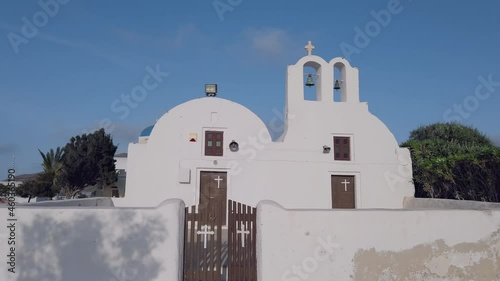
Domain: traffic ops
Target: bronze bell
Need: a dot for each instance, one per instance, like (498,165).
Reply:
(337,85)
(309,82)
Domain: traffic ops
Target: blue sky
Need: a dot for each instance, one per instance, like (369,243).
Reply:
(422,65)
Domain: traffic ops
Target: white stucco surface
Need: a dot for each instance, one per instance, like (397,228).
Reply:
(94,243)
(365,245)
(292,171)
(121,163)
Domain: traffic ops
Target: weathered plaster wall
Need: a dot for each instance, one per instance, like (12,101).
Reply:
(99,243)
(382,245)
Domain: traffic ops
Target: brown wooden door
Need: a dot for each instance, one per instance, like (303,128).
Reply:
(343,192)
(213,191)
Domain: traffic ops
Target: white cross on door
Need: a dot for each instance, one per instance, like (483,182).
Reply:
(205,234)
(345,183)
(218,179)
(242,232)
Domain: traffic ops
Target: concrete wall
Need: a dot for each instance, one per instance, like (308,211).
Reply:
(82,244)
(430,203)
(87,202)
(367,245)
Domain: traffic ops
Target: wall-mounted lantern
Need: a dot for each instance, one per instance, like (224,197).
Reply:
(234,146)
(326,149)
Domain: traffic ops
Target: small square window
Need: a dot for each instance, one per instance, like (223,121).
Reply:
(342,148)
(211,138)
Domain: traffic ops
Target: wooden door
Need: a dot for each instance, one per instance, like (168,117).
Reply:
(343,192)
(213,190)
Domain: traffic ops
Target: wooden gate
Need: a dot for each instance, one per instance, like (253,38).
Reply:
(242,262)
(217,252)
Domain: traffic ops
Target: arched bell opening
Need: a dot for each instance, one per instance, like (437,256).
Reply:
(311,81)
(339,82)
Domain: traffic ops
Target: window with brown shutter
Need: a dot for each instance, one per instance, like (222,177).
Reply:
(342,148)
(214,143)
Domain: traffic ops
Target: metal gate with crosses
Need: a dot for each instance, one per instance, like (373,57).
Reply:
(217,252)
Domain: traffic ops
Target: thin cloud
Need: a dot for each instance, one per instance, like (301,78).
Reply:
(126,35)
(268,41)
(8,149)
(81,46)
(184,35)
(264,45)
(187,34)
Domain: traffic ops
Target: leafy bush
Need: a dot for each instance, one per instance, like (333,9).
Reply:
(451,132)
(453,161)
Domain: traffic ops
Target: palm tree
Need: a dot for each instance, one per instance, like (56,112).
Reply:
(53,165)
(52,161)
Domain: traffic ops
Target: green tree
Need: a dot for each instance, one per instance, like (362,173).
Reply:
(41,186)
(4,190)
(454,161)
(89,160)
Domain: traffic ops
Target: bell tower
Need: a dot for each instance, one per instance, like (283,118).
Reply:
(327,78)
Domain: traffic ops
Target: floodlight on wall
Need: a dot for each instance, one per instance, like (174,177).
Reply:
(211,90)
(234,146)
(326,149)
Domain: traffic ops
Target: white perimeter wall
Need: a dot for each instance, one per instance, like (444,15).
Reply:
(385,245)
(102,244)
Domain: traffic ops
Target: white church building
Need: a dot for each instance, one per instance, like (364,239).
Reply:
(281,209)
(332,154)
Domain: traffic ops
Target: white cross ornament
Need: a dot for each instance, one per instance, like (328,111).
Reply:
(218,179)
(309,47)
(205,233)
(243,232)
(345,183)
